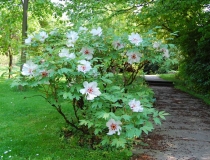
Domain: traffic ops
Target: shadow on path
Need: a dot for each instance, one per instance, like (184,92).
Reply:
(185,135)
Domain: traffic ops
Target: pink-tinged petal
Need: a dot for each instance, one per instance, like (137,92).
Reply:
(97,92)
(90,97)
(119,123)
(138,103)
(83,91)
(85,84)
(93,84)
(96,32)
(109,122)
(72,35)
(83,29)
(71,56)
(111,132)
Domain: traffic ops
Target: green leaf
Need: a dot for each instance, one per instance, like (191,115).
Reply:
(83,122)
(103,114)
(109,97)
(130,133)
(157,120)
(97,130)
(162,114)
(120,142)
(148,127)
(129,126)
(96,104)
(115,88)
(67,95)
(138,132)
(144,128)
(126,117)
(108,81)
(64,70)
(155,114)
(90,124)
(105,141)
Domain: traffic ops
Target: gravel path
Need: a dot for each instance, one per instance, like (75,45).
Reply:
(185,135)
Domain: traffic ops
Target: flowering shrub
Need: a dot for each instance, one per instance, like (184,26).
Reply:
(95,74)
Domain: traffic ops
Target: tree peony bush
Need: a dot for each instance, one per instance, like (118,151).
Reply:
(92,78)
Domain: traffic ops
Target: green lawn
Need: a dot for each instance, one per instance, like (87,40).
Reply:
(30,129)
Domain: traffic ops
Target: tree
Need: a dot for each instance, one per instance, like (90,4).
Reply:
(190,20)
(14,18)
(10,32)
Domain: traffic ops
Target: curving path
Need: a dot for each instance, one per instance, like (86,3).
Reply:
(185,135)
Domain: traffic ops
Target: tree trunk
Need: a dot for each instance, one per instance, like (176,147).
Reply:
(24,35)
(10,61)
(24,31)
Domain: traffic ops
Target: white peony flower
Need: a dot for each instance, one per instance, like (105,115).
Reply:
(44,73)
(28,68)
(117,45)
(43,35)
(91,90)
(72,35)
(156,45)
(133,57)
(70,56)
(166,52)
(65,53)
(83,29)
(29,39)
(87,52)
(135,106)
(135,38)
(96,32)
(84,66)
(70,43)
(72,38)
(114,126)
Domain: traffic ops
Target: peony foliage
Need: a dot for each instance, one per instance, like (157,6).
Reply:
(92,77)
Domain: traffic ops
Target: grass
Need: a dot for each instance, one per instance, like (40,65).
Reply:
(30,129)
(179,85)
